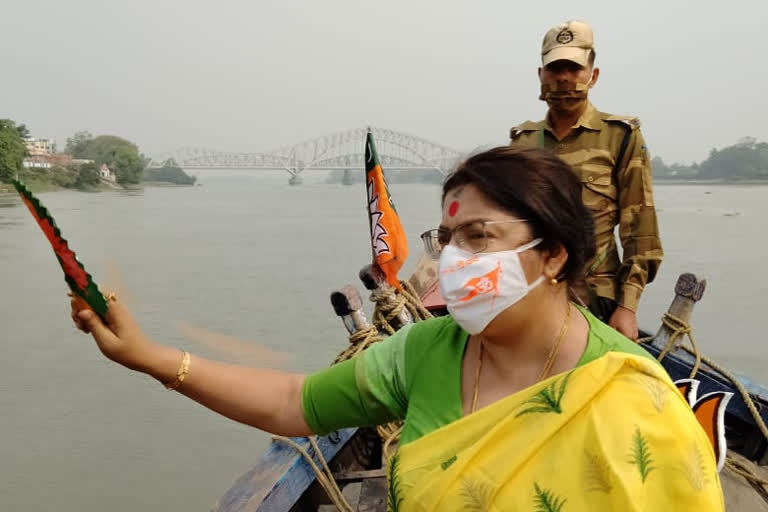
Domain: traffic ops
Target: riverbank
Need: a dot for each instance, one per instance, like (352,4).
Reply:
(35,186)
(659,181)
(166,184)
(39,187)
(42,187)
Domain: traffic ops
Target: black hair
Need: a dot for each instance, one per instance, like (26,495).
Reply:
(538,186)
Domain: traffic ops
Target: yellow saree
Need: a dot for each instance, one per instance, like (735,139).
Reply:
(612,435)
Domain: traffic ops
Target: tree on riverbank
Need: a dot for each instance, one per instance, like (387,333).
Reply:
(12,149)
(77,145)
(745,160)
(170,172)
(120,155)
(88,176)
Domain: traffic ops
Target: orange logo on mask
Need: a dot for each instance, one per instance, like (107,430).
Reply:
(483,285)
(462,264)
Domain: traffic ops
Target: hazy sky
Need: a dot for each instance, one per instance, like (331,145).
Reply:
(255,75)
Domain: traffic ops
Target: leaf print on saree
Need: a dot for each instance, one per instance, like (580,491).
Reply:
(477,495)
(597,474)
(548,399)
(395,493)
(547,501)
(641,455)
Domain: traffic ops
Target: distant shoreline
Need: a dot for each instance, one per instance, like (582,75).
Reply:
(35,187)
(165,184)
(659,181)
(42,187)
(38,187)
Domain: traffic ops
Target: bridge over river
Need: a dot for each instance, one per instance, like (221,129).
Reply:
(338,151)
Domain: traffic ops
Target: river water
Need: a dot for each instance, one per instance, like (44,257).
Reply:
(249,256)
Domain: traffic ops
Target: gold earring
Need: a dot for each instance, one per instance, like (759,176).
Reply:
(553,281)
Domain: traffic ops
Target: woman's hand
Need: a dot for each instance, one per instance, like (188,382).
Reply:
(120,338)
(266,399)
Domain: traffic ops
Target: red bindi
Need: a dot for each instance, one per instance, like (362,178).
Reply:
(453,208)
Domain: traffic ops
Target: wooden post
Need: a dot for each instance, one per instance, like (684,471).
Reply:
(374,280)
(742,432)
(688,291)
(348,305)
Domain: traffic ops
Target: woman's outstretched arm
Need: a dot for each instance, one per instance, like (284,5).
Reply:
(266,399)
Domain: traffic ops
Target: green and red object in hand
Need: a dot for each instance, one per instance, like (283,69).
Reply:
(79,281)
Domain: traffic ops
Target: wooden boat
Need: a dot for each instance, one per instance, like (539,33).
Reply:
(284,479)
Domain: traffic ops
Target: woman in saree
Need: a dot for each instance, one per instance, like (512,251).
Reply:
(517,400)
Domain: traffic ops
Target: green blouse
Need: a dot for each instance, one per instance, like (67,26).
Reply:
(414,375)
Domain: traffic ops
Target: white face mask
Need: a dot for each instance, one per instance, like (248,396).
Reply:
(477,287)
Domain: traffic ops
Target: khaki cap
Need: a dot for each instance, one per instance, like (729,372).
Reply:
(571,40)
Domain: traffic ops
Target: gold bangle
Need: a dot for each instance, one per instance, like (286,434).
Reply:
(181,373)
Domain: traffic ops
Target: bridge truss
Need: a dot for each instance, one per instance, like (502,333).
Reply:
(338,151)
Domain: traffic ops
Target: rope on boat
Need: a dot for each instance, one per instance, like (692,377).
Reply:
(359,341)
(389,305)
(388,308)
(413,302)
(389,434)
(742,469)
(324,476)
(681,328)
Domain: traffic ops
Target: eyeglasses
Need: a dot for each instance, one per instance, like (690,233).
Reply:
(472,236)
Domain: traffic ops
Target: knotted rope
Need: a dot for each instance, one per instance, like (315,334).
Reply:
(324,475)
(679,328)
(359,341)
(389,305)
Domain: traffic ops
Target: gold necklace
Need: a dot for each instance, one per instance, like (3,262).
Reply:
(544,371)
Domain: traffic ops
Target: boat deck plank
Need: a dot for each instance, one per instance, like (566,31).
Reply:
(373,495)
(280,477)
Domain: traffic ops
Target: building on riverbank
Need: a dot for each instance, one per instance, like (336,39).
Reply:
(106,174)
(40,147)
(37,162)
(47,161)
(41,154)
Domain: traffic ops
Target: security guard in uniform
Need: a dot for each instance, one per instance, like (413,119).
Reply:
(609,155)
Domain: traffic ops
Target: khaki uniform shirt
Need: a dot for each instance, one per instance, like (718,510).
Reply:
(591,149)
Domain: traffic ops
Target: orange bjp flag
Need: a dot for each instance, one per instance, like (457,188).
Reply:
(388,240)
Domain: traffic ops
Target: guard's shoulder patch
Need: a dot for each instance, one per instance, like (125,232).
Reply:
(631,121)
(528,126)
